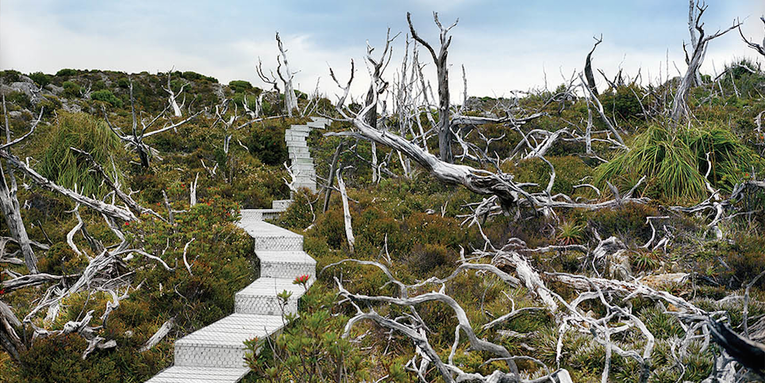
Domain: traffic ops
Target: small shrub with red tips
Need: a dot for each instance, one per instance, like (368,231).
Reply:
(302,280)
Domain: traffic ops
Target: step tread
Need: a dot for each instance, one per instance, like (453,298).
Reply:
(187,374)
(277,256)
(261,229)
(265,286)
(232,331)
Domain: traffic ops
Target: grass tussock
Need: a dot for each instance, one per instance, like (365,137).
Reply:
(676,162)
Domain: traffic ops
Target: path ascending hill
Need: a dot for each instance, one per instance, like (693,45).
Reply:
(216,353)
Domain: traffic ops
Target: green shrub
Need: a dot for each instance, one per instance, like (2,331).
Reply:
(67,72)
(569,172)
(106,96)
(240,98)
(189,75)
(239,86)
(19,98)
(299,214)
(311,348)
(71,89)
(267,144)
(623,101)
(41,79)
(10,76)
(69,169)
(123,82)
(675,162)
(49,103)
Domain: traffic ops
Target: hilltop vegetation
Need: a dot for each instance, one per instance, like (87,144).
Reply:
(403,218)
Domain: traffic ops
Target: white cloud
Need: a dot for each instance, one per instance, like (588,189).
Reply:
(497,59)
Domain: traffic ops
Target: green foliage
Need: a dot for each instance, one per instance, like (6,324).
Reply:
(298,215)
(220,267)
(570,233)
(189,75)
(626,221)
(240,98)
(41,79)
(69,169)
(123,83)
(219,257)
(675,162)
(267,144)
(71,89)
(569,172)
(735,263)
(57,359)
(67,72)
(311,348)
(106,96)
(19,98)
(623,101)
(239,86)
(49,103)
(10,76)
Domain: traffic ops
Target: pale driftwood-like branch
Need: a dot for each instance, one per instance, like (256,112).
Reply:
(162,331)
(105,208)
(760,48)
(695,60)
(193,191)
(599,107)
(346,212)
(412,328)
(136,138)
(464,323)
(172,96)
(114,185)
(444,102)
(478,181)
(9,203)
(290,100)
(331,176)
(185,260)
(588,67)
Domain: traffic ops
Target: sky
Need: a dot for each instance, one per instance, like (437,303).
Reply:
(505,45)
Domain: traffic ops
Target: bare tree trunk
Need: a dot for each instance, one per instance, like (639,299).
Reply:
(12,214)
(346,212)
(696,79)
(331,177)
(760,48)
(10,206)
(444,123)
(588,68)
(290,100)
(112,211)
(680,104)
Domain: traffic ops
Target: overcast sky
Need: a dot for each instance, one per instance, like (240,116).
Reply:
(504,45)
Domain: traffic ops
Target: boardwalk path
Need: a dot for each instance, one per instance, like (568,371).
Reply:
(216,353)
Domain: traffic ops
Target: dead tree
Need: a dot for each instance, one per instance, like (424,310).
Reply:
(508,193)
(268,78)
(282,74)
(694,11)
(106,271)
(172,96)
(695,59)
(9,204)
(588,67)
(760,48)
(378,66)
(442,71)
(290,100)
(135,139)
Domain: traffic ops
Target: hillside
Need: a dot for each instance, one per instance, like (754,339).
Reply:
(632,250)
